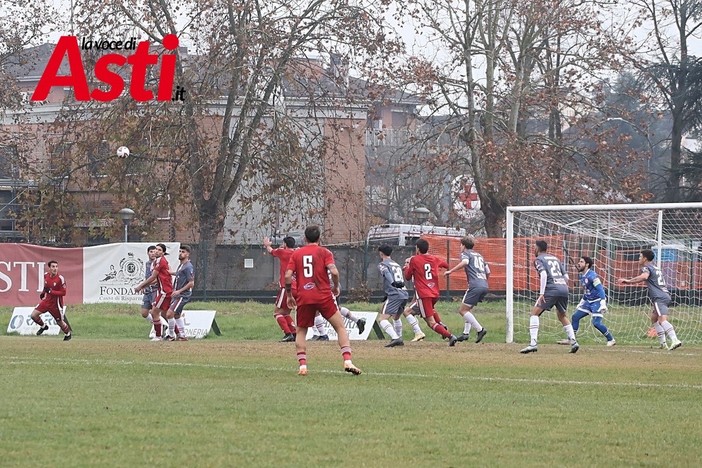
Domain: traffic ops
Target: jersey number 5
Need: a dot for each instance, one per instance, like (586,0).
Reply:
(307,270)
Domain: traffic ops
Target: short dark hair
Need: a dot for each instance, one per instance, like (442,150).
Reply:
(468,242)
(312,233)
(542,245)
(52,262)
(648,254)
(163,247)
(186,247)
(385,249)
(150,248)
(422,246)
(289,241)
(588,261)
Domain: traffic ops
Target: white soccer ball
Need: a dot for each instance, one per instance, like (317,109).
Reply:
(122,152)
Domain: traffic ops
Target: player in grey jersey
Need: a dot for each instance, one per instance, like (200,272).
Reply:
(553,291)
(658,295)
(396,294)
(183,284)
(477,274)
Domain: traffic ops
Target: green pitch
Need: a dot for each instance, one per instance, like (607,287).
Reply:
(109,397)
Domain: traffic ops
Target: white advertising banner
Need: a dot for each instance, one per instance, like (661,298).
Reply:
(21,322)
(351,327)
(110,272)
(198,323)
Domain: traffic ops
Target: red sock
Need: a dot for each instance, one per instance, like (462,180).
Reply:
(291,323)
(302,358)
(346,353)
(38,321)
(441,330)
(283,324)
(64,327)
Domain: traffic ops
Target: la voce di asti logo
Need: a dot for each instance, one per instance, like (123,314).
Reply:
(140,60)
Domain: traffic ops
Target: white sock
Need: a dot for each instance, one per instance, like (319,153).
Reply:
(534,329)
(568,329)
(171,327)
(414,323)
(669,330)
(398,326)
(389,329)
(347,313)
(470,319)
(181,325)
(660,332)
(319,324)
(149,319)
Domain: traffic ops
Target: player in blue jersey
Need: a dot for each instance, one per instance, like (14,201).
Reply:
(594,301)
(658,295)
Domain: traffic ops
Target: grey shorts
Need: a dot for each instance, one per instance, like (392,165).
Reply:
(661,307)
(561,303)
(474,295)
(148,302)
(393,306)
(178,304)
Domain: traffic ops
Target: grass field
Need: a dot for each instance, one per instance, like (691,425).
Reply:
(109,398)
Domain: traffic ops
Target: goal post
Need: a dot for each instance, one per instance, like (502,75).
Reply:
(613,235)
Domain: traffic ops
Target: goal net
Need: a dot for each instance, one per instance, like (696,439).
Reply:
(613,235)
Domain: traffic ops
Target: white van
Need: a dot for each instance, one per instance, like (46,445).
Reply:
(407,234)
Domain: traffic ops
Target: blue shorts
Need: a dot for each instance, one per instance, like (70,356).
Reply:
(591,308)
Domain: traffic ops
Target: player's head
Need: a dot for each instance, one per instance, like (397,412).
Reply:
(312,234)
(53,266)
(541,246)
(289,242)
(584,263)
(151,252)
(184,252)
(162,249)
(468,242)
(385,250)
(422,246)
(647,255)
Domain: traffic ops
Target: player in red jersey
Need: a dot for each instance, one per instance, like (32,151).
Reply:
(161,275)
(311,265)
(52,301)
(282,311)
(423,270)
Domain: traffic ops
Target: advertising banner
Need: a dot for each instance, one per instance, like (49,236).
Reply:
(22,268)
(112,271)
(351,327)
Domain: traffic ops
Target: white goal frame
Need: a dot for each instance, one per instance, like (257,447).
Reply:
(511,210)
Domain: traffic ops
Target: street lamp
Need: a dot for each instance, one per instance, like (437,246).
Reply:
(422,214)
(126,214)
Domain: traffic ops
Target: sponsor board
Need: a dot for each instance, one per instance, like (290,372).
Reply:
(351,327)
(112,271)
(198,323)
(21,322)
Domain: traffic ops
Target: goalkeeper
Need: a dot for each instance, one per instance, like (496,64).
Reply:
(594,302)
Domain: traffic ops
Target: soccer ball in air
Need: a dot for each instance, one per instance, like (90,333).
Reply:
(122,152)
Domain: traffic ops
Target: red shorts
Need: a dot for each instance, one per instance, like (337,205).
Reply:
(281,300)
(163,301)
(50,307)
(426,306)
(306,313)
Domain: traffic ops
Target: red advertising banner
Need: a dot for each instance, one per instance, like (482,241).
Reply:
(22,268)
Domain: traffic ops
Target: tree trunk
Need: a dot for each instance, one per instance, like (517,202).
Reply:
(211,219)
